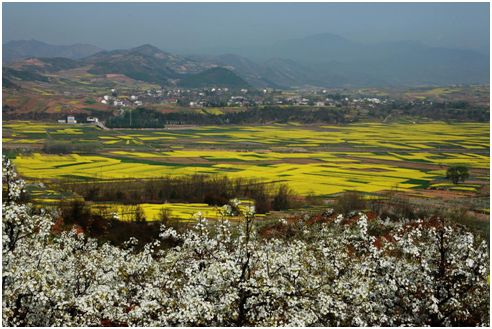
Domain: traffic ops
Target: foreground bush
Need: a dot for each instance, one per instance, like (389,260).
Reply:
(335,274)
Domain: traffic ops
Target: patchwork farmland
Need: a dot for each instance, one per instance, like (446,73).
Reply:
(313,160)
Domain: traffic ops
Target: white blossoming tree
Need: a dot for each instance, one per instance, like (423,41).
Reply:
(220,274)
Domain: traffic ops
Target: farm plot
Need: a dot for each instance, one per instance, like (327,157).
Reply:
(181,211)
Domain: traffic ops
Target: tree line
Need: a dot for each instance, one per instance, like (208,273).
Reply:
(212,190)
(146,118)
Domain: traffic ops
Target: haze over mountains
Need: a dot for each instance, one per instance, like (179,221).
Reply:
(324,60)
(20,49)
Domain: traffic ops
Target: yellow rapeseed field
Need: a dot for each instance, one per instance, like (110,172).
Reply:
(321,159)
(181,211)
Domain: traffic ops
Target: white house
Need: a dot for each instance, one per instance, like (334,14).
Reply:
(138,103)
(71,120)
(133,97)
(92,119)
(104,101)
(374,100)
(62,121)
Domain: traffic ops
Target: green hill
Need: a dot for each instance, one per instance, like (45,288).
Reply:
(23,75)
(216,77)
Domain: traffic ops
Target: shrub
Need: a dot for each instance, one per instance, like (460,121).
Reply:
(164,216)
(349,201)
(53,147)
(139,214)
(281,199)
(457,174)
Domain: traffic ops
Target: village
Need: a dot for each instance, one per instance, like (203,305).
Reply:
(225,97)
(241,99)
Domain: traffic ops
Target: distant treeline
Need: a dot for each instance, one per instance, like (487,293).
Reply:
(146,118)
(213,190)
(446,111)
(457,111)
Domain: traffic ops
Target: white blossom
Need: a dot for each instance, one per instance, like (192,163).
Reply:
(333,274)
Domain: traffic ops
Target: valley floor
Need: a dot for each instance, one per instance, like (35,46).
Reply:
(317,160)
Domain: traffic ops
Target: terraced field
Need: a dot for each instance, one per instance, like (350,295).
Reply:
(320,159)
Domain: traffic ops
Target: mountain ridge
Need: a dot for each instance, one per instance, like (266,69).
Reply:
(323,59)
(21,49)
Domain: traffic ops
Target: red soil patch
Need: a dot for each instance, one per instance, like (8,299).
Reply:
(446,195)
(57,228)
(119,78)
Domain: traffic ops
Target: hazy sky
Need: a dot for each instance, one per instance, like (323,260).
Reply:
(195,27)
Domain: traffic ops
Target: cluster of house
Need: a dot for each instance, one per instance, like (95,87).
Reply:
(244,97)
(187,97)
(321,99)
(373,100)
(71,120)
(213,90)
(199,97)
(237,101)
(216,96)
(116,101)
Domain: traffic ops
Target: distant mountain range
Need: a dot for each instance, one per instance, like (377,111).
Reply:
(324,60)
(21,49)
(333,60)
(144,63)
